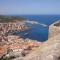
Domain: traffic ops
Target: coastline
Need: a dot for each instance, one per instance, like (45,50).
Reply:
(9,41)
(17,47)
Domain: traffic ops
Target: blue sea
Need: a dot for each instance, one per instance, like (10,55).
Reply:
(38,32)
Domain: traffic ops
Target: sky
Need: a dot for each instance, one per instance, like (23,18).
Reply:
(21,7)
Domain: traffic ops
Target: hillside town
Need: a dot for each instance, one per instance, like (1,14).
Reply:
(14,47)
(10,28)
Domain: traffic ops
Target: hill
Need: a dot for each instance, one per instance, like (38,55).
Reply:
(5,19)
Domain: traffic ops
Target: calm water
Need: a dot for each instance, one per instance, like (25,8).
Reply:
(38,32)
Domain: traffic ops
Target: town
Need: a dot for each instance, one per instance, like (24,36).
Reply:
(12,45)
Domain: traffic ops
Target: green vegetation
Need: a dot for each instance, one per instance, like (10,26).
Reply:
(4,19)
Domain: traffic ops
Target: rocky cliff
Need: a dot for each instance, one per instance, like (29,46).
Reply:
(49,50)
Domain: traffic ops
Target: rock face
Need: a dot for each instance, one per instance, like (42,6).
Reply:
(54,29)
(49,50)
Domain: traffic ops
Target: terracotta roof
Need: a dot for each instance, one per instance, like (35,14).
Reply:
(15,46)
(3,50)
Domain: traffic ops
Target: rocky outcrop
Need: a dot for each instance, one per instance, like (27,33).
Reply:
(54,29)
(49,50)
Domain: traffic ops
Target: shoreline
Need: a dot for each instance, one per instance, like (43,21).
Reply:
(19,48)
(14,42)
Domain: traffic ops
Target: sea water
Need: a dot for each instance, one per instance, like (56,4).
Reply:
(37,31)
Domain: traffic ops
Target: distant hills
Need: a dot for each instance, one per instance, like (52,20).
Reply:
(10,18)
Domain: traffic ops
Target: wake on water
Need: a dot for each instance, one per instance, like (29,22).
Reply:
(35,22)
